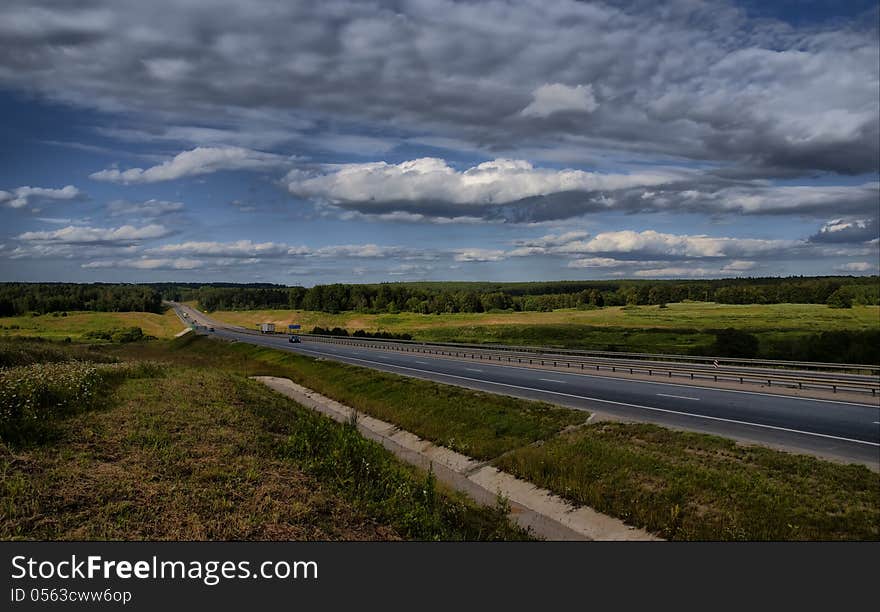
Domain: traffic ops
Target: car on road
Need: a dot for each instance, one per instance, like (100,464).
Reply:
(210,329)
(294,339)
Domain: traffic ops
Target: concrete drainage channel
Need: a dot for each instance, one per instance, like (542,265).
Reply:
(547,515)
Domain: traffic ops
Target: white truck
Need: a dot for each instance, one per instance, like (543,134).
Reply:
(267,328)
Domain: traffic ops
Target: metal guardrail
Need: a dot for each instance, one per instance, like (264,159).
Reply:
(567,361)
(708,360)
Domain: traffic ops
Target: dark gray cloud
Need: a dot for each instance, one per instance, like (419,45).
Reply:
(676,78)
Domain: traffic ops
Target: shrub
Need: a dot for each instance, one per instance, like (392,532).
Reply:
(33,396)
(734,343)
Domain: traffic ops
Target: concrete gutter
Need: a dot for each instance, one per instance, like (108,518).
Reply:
(547,515)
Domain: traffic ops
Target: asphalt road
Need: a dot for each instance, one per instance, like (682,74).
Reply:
(840,430)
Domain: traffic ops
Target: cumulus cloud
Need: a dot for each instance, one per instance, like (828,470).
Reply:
(239,248)
(598,262)
(557,98)
(847,231)
(201,160)
(650,242)
(430,179)
(77,234)
(149,208)
(368,251)
(146,263)
(857,266)
(677,272)
(479,255)
(22,196)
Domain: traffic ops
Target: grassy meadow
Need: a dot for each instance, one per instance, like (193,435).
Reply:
(679,328)
(77,324)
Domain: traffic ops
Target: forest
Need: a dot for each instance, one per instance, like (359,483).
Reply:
(23,298)
(436,298)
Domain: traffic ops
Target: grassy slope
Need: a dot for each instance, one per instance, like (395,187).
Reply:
(195,453)
(77,324)
(695,487)
(676,329)
(681,485)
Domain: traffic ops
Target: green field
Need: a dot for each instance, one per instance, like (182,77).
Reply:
(77,324)
(679,328)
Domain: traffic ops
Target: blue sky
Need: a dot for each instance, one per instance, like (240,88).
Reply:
(434,140)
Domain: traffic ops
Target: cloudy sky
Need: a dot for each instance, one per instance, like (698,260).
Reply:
(359,141)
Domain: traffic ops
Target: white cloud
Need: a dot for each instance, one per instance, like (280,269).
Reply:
(739,265)
(598,262)
(126,234)
(482,255)
(857,266)
(240,248)
(368,251)
(674,245)
(147,263)
(431,179)
(22,196)
(149,208)
(676,272)
(201,160)
(556,97)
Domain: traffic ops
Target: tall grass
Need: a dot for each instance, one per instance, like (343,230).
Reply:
(33,397)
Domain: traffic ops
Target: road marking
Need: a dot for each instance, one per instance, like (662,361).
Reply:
(422,362)
(696,399)
(668,384)
(605,401)
(473,370)
(876,422)
(561,382)
(681,386)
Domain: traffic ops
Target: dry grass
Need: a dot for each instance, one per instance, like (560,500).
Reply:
(174,460)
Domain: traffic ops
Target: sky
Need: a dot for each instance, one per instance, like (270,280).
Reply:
(356,141)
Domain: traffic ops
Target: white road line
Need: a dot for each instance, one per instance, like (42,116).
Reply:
(561,382)
(605,401)
(696,399)
(668,384)
(422,362)
(473,370)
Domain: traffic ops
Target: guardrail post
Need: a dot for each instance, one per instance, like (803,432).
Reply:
(834,388)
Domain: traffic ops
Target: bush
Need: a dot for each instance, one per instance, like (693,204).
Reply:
(32,397)
(129,334)
(839,299)
(734,343)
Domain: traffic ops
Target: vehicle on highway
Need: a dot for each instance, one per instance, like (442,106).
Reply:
(267,328)
(210,329)
(294,339)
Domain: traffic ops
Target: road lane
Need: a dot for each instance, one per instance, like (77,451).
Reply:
(842,430)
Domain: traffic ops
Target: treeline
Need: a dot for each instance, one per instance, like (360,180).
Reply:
(24,298)
(436,298)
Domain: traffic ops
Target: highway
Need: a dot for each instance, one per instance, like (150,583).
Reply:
(841,430)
